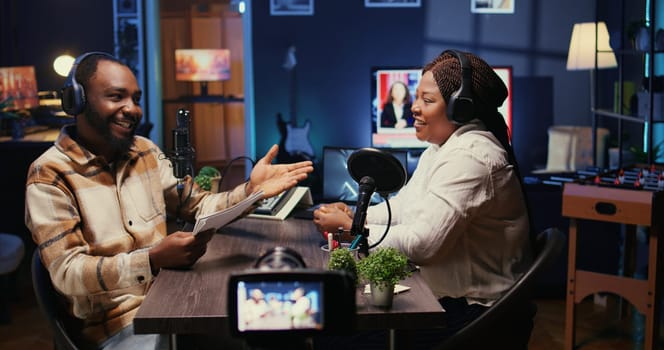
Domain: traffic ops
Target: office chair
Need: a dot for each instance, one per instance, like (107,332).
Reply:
(51,307)
(11,254)
(495,328)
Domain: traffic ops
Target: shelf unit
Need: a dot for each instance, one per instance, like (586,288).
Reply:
(217,119)
(129,45)
(621,55)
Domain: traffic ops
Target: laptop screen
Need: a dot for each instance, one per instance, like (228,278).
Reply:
(338,185)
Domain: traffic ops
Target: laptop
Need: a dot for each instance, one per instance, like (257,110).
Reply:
(338,185)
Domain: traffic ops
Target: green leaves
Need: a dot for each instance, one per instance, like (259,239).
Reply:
(642,157)
(205,175)
(342,259)
(384,265)
(209,171)
(5,104)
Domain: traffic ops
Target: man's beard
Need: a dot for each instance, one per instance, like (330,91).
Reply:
(119,144)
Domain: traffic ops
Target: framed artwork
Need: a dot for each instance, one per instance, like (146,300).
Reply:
(291,7)
(391,3)
(492,6)
(126,6)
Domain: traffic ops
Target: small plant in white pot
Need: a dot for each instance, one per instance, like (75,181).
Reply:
(383,269)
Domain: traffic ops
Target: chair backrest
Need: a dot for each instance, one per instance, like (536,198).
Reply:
(549,245)
(50,306)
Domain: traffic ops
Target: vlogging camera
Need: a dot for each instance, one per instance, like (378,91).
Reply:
(281,300)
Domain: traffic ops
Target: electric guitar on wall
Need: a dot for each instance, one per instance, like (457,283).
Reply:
(294,145)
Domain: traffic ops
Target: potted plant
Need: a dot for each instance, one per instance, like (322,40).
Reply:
(638,35)
(383,269)
(16,119)
(343,259)
(642,157)
(208,178)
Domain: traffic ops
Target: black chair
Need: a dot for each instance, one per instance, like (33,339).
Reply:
(51,306)
(507,324)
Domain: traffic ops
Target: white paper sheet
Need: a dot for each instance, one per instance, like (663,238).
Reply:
(223,217)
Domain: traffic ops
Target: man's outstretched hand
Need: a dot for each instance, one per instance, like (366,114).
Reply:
(273,179)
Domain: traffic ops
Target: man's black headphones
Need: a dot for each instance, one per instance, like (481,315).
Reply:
(72,94)
(460,107)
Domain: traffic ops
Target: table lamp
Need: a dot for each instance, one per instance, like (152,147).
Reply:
(589,49)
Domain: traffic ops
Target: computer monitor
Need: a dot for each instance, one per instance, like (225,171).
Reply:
(385,134)
(338,185)
(202,65)
(19,84)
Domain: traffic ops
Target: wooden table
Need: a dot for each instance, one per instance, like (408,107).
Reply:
(626,206)
(194,300)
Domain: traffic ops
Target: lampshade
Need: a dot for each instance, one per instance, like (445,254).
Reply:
(62,64)
(582,48)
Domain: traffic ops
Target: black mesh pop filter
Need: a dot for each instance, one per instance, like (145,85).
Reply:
(386,170)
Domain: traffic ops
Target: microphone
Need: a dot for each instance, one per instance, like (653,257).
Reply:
(183,153)
(375,170)
(366,189)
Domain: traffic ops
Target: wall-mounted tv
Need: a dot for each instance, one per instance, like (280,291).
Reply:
(202,65)
(386,133)
(19,83)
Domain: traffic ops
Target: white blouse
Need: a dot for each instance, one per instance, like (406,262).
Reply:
(461,217)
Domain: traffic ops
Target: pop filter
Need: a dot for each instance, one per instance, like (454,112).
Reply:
(385,169)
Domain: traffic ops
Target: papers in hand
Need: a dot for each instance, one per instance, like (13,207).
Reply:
(223,217)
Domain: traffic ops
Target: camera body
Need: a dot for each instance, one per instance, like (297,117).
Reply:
(268,306)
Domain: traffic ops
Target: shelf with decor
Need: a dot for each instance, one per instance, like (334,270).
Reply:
(214,96)
(635,50)
(622,196)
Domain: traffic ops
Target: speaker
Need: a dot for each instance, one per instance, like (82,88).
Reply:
(460,107)
(72,94)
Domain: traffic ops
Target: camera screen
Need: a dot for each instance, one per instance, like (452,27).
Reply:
(280,305)
(269,305)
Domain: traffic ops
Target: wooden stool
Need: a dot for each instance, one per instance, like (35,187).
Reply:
(11,254)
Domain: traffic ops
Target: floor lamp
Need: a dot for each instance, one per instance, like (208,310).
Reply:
(589,49)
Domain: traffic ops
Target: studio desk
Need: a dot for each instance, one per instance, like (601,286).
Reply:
(193,301)
(617,197)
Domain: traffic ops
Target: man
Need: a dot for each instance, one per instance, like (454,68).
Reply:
(97,203)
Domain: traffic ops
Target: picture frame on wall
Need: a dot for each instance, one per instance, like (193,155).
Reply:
(392,3)
(492,6)
(126,6)
(291,7)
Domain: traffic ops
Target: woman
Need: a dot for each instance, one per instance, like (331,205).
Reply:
(397,108)
(462,217)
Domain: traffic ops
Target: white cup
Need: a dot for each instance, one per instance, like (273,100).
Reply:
(326,249)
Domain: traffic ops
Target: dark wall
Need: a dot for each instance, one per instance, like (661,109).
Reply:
(338,45)
(35,32)
(335,50)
